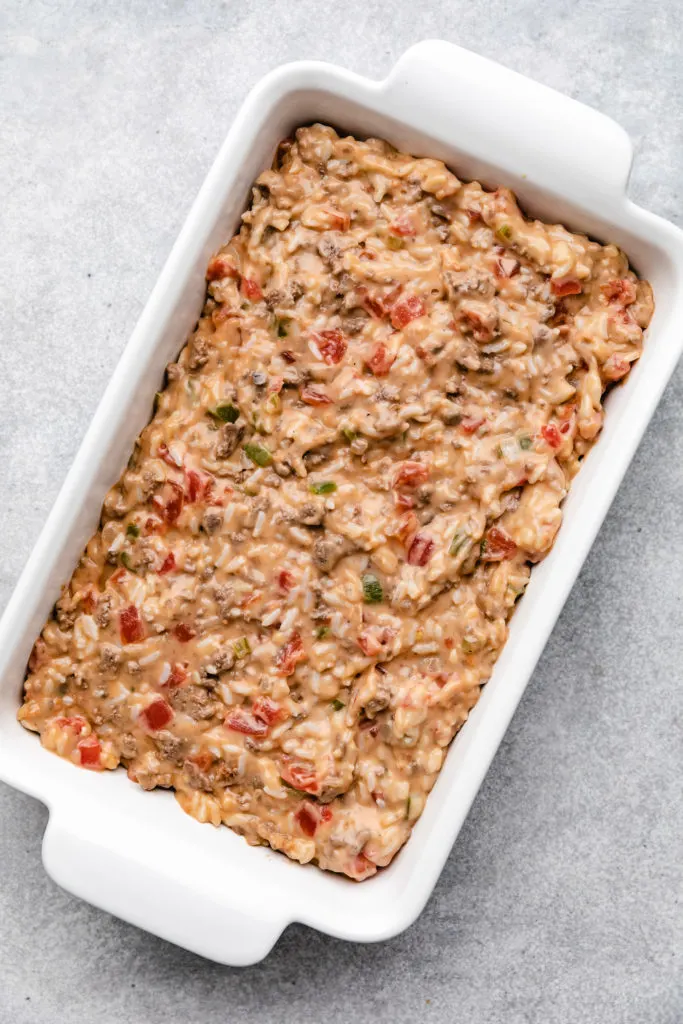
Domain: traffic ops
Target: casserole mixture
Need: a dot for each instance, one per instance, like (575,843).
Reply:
(303,579)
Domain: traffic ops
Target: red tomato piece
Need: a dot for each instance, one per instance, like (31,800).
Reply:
(288,356)
(75,723)
(404,501)
(380,361)
(90,751)
(267,711)
(470,424)
(410,308)
(131,626)
(174,504)
(551,435)
(360,867)
(406,527)
(220,267)
(184,632)
(290,654)
(285,581)
(411,474)
(89,601)
(562,286)
(299,776)
(157,714)
(307,818)
(251,289)
(622,291)
(498,545)
(403,227)
(177,677)
(243,721)
(314,396)
(421,550)
(340,221)
(168,564)
(332,345)
(195,485)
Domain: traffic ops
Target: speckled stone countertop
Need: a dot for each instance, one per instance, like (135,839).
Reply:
(561,901)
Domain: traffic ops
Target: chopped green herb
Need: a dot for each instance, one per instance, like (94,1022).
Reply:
(457,543)
(124,559)
(372,588)
(272,403)
(323,487)
(226,412)
(241,648)
(525,443)
(504,231)
(338,705)
(322,631)
(133,530)
(349,434)
(259,455)
(394,243)
(282,328)
(482,546)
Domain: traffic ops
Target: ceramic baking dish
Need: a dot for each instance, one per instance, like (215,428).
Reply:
(136,854)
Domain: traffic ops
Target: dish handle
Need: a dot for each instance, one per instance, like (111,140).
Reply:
(91,858)
(553,140)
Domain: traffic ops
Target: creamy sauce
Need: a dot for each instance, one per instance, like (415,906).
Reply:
(304,577)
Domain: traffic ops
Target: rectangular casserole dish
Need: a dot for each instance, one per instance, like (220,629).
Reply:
(136,854)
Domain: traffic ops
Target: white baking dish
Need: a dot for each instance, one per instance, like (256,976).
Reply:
(136,854)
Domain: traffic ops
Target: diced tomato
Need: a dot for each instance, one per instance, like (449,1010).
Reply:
(562,286)
(615,367)
(473,215)
(251,289)
(220,267)
(117,576)
(154,525)
(203,760)
(307,818)
(168,564)
(411,474)
(470,424)
(380,360)
(90,751)
(340,221)
(332,345)
(174,503)
(498,545)
(404,500)
(377,304)
(325,813)
(290,654)
(421,550)
(314,396)
(178,675)
(184,632)
(288,356)
(360,867)
(75,723)
(285,580)
(551,435)
(275,385)
(403,227)
(622,291)
(131,626)
(243,721)
(299,776)
(410,308)
(267,711)
(157,714)
(170,460)
(89,601)
(195,485)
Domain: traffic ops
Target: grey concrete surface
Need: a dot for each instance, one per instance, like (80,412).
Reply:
(561,901)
